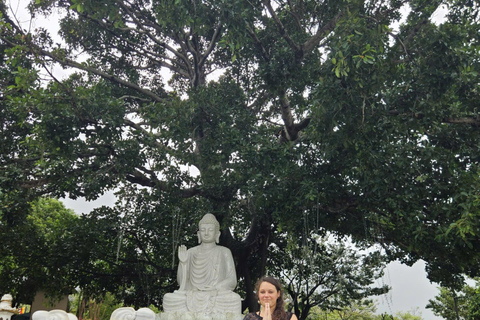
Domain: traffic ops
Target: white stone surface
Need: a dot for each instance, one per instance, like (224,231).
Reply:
(127,313)
(6,309)
(206,276)
(6,315)
(199,316)
(6,303)
(53,315)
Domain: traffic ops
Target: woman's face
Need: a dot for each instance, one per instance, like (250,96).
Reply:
(268,293)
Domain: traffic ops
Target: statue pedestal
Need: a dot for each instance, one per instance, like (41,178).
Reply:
(6,315)
(127,313)
(198,316)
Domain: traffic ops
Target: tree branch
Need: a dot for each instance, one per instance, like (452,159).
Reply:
(280,26)
(321,33)
(84,67)
(258,43)
(212,43)
(137,177)
(148,22)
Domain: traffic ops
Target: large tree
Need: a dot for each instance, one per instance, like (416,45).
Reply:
(277,114)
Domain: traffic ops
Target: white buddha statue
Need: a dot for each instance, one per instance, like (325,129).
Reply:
(206,275)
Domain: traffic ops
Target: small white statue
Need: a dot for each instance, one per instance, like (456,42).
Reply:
(128,313)
(6,304)
(206,275)
(55,314)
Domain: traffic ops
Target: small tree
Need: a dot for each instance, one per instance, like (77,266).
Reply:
(325,272)
(360,310)
(35,252)
(93,309)
(409,315)
(356,310)
(451,304)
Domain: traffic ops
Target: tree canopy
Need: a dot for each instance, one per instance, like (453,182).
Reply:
(35,253)
(357,117)
(327,274)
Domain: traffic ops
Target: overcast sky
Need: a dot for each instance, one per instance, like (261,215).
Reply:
(410,290)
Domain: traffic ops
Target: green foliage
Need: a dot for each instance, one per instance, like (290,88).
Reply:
(474,304)
(407,316)
(92,309)
(452,305)
(360,310)
(357,310)
(35,252)
(325,272)
(322,110)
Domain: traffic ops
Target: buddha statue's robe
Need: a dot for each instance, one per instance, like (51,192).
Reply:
(207,279)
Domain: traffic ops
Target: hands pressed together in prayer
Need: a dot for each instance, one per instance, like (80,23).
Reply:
(268,312)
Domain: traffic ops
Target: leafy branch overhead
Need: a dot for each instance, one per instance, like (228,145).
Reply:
(361,115)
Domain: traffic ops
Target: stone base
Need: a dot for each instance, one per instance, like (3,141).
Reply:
(198,316)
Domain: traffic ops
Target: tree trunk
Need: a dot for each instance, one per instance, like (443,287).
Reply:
(255,244)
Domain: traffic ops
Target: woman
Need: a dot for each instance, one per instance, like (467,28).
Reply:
(270,296)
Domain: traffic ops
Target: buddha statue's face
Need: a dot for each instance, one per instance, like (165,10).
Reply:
(207,233)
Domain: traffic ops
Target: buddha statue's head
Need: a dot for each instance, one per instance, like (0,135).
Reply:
(208,229)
